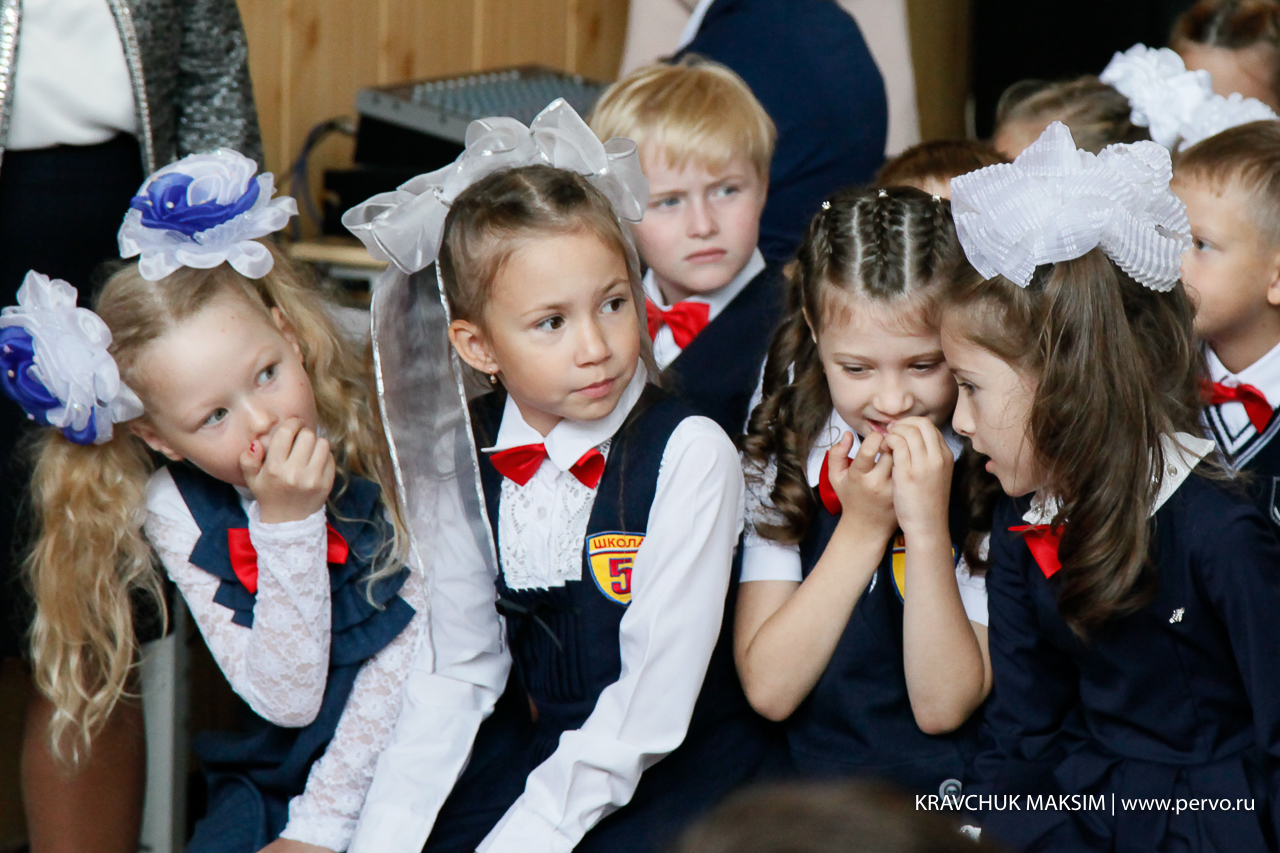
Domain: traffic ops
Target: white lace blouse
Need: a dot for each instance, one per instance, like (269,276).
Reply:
(280,665)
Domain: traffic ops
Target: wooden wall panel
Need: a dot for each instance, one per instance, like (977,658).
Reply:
(427,39)
(599,31)
(265,26)
(309,57)
(519,31)
(940,53)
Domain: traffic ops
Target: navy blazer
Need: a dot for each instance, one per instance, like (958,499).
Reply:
(1179,699)
(807,63)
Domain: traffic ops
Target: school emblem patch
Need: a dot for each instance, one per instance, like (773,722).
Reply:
(611,556)
(899,562)
(900,565)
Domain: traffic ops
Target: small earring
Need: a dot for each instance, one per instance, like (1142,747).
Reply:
(493,379)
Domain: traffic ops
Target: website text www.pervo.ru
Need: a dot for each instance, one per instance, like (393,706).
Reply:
(1078,802)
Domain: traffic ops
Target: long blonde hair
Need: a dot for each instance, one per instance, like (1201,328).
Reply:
(90,559)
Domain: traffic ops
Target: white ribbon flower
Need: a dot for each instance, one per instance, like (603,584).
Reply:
(201,211)
(406,226)
(64,353)
(1178,106)
(1218,114)
(1054,203)
(1163,94)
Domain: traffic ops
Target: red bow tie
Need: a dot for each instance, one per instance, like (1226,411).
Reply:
(825,490)
(1255,402)
(685,319)
(1042,540)
(244,557)
(519,464)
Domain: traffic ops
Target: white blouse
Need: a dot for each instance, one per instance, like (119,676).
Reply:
(665,348)
(280,665)
(71,83)
(666,636)
(766,560)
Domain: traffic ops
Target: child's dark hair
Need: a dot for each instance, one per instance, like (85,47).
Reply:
(1116,367)
(844,816)
(491,219)
(1096,113)
(1233,25)
(937,161)
(892,246)
(1246,156)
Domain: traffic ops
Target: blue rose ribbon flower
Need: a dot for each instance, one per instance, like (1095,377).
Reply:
(55,363)
(204,210)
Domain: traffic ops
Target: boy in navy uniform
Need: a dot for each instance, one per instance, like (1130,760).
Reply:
(1231,186)
(713,302)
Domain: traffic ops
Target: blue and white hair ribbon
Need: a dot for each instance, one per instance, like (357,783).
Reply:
(55,363)
(201,211)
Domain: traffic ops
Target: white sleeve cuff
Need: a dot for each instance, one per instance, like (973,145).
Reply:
(332,832)
(763,560)
(973,593)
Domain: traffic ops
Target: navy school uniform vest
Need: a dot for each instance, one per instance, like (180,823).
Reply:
(1261,458)
(565,650)
(718,372)
(857,721)
(253,774)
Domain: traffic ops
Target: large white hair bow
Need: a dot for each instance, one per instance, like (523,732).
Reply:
(1054,203)
(201,211)
(406,226)
(1162,93)
(55,364)
(1177,106)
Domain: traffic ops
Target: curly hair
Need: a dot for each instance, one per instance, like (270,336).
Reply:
(90,558)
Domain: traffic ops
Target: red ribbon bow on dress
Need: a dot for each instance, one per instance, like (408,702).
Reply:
(685,319)
(1255,402)
(1042,540)
(519,464)
(244,557)
(826,491)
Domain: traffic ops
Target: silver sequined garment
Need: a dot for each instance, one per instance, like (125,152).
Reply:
(189,64)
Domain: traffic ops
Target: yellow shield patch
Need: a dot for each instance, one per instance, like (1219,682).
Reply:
(900,565)
(611,556)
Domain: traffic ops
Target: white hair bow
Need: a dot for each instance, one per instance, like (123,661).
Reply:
(406,226)
(1177,106)
(1054,203)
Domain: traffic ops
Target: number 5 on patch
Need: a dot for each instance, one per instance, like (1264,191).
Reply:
(612,556)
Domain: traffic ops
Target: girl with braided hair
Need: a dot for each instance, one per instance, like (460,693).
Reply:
(869,680)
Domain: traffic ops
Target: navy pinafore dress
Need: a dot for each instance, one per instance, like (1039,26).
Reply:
(565,650)
(857,721)
(252,774)
(717,373)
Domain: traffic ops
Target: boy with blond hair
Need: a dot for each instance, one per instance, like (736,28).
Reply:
(1231,186)
(713,303)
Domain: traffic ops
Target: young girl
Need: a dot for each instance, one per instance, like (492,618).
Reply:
(870,643)
(1097,114)
(1133,595)
(615,511)
(267,509)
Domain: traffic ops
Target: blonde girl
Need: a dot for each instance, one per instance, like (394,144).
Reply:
(247,457)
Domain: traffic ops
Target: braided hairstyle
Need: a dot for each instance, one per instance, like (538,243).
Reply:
(893,246)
